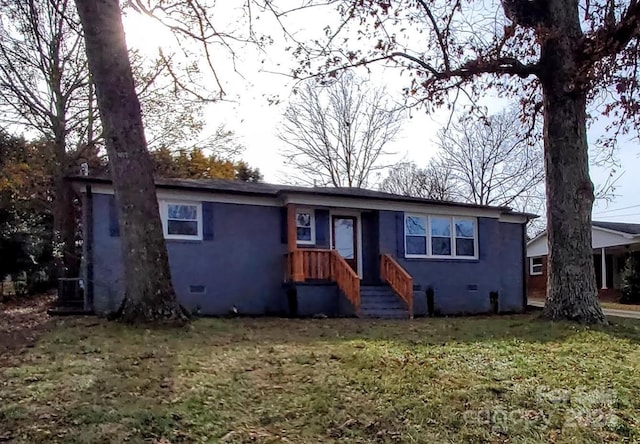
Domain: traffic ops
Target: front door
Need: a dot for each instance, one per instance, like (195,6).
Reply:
(345,238)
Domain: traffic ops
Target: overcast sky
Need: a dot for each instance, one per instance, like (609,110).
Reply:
(247,112)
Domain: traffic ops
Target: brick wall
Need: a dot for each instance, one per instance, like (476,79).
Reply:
(537,284)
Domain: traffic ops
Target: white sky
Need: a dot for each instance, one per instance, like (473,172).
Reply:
(247,112)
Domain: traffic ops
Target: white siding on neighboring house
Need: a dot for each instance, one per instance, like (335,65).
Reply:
(601,238)
(537,247)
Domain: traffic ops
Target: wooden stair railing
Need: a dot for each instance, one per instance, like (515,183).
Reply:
(398,278)
(314,264)
(347,279)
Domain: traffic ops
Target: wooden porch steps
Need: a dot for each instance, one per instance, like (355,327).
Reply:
(380,301)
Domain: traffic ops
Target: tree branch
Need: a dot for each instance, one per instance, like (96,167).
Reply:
(611,39)
(501,65)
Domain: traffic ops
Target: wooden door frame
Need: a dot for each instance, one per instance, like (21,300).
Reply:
(349,213)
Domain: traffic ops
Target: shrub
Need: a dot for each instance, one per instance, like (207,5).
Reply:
(631,280)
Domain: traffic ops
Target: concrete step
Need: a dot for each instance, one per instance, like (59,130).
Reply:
(383,307)
(69,311)
(385,313)
(384,300)
(379,298)
(377,292)
(364,294)
(374,288)
(381,302)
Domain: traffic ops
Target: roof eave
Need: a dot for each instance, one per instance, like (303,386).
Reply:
(316,192)
(283,193)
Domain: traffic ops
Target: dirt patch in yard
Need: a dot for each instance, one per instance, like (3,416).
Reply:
(22,322)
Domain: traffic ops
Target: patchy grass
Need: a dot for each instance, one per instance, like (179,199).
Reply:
(503,379)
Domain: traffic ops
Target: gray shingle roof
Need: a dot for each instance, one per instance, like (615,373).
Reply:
(266,189)
(623,227)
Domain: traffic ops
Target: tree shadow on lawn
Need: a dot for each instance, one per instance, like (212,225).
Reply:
(90,380)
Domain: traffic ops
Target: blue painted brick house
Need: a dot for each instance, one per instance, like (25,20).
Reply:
(266,249)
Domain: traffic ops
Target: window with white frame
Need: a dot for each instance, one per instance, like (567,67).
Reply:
(181,220)
(415,235)
(535,266)
(465,236)
(440,236)
(305,232)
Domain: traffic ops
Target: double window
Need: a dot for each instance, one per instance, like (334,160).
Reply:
(440,236)
(181,220)
(305,225)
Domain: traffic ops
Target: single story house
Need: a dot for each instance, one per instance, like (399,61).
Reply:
(612,242)
(262,249)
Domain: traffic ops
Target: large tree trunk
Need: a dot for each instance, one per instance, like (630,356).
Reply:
(149,293)
(571,284)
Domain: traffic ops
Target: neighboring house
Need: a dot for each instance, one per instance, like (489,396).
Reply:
(611,241)
(269,249)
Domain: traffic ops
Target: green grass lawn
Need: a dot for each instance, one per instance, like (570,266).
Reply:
(488,379)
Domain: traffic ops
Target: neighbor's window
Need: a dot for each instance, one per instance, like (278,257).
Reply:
(182,220)
(304,227)
(448,236)
(535,266)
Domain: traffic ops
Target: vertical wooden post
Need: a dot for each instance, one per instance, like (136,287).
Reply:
(297,271)
(603,268)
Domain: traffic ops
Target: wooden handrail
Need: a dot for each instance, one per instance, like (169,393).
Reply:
(303,264)
(401,281)
(347,279)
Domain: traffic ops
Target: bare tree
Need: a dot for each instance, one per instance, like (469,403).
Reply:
(204,37)
(432,182)
(173,117)
(336,134)
(493,161)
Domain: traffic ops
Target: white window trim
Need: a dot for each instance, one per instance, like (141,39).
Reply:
(453,237)
(426,235)
(535,273)
(312,222)
(164,215)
